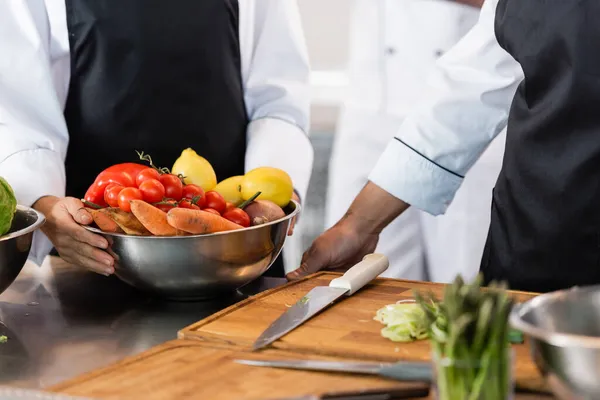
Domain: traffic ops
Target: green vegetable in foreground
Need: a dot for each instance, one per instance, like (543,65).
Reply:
(469,334)
(8,206)
(405,322)
(3,339)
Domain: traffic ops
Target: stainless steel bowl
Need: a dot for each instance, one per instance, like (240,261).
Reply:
(16,244)
(563,330)
(199,266)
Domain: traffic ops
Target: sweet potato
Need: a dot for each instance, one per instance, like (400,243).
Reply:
(199,222)
(104,222)
(127,222)
(263,211)
(153,219)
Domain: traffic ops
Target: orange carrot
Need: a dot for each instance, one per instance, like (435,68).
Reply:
(199,222)
(128,222)
(154,219)
(104,222)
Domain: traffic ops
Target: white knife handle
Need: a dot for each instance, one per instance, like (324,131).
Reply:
(362,273)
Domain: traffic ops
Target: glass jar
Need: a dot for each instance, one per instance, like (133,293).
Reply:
(487,378)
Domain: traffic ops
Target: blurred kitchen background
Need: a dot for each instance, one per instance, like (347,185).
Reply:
(328,49)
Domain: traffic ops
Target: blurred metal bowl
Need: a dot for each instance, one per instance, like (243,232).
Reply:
(563,330)
(199,266)
(16,244)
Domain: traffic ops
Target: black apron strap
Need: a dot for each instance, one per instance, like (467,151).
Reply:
(544,233)
(156,76)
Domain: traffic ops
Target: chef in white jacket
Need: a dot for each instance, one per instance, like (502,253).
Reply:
(394,45)
(84,83)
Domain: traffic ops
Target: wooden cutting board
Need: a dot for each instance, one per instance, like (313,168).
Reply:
(184,369)
(345,329)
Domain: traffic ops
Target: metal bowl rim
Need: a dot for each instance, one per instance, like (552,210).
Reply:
(291,215)
(39,222)
(553,338)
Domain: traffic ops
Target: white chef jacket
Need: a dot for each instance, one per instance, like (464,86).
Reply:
(467,104)
(34,81)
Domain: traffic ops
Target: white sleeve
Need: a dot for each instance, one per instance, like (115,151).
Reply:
(33,134)
(467,105)
(276,71)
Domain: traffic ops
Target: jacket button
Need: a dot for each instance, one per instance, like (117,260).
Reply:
(390,51)
(439,53)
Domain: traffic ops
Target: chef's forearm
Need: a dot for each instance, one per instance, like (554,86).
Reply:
(473,3)
(373,209)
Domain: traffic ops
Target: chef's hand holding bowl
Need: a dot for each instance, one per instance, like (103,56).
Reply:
(76,245)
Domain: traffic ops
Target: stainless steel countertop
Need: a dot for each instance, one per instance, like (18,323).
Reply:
(62,321)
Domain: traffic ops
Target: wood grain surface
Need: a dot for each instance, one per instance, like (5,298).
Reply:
(346,329)
(184,369)
(190,369)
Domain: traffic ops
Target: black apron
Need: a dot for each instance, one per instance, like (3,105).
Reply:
(545,222)
(156,76)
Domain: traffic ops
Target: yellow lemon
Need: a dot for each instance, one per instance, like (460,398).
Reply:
(195,169)
(273,183)
(231,189)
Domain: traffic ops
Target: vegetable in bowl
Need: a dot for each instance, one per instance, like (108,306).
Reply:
(8,206)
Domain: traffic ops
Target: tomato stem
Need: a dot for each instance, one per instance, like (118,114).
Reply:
(91,205)
(195,200)
(250,200)
(148,159)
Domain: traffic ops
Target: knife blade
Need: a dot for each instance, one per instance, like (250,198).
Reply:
(321,297)
(401,371)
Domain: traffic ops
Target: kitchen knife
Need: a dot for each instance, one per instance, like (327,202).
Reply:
(322,296)
(401,371)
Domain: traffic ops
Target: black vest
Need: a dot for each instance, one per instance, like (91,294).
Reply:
(545,222)
(156,76)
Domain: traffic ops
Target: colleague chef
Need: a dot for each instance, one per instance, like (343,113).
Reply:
(85,83)
(532,66)
(393,48)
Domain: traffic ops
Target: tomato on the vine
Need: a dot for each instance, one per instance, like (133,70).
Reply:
(152,191)
(238,216)
(196,193)
(120,178)
(128,194)
(229,206)
(166,205)
(173,186)
(145,175)
(111,194)
(186,203)
(215,201)
(212,211)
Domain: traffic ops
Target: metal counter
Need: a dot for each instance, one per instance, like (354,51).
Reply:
(62,321)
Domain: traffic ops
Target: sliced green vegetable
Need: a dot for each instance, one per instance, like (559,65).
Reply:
(405,322)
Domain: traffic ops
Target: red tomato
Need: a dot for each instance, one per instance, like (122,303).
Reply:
(212,211)
(238,216)
(186,203)
(229,206)
(120,178)
(152,191)
(196,193)
(166,205)
(215,201)
(111,194)
(127,195)
(147,174)
(133,169)
(173,186)
(95,195)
